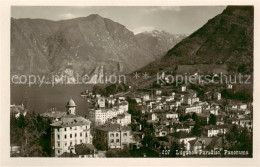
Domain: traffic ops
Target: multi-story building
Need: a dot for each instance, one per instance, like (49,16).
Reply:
(214,130)
(69,131)
(193,109)
(114,135)
(101,116)
(122,119)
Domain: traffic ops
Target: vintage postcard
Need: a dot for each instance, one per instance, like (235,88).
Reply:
(135,84)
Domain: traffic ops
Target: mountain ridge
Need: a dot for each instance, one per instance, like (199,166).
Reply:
(41,46)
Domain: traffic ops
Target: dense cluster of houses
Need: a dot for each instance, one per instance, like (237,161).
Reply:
(164,112)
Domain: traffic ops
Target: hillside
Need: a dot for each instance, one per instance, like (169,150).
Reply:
(225,42)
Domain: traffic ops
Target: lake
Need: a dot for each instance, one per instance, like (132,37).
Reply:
(42,98)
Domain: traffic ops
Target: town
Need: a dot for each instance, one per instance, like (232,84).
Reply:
(161,121)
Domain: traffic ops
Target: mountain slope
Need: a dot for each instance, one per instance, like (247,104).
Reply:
(78,46)
(158,42)
(225,40)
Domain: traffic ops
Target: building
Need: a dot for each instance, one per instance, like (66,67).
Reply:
(101,102)
(182,137)
(101,116)
(171,115)
(217,96)
(54,115)
(193,109)
(85,150)
(215,130)
(114,135)
(69,131)
(122,119)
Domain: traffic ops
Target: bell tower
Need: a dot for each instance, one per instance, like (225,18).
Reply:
(71,107)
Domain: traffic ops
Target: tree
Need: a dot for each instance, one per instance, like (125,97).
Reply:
(196,129)
(195,117)
(174,148)
(212,119)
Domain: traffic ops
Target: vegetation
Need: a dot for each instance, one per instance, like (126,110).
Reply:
(240,140)
(212,119)
(33,134)
(110,89)
(242,95)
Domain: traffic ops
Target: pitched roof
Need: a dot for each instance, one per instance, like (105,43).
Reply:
(82,149)
(203,141)
(71,120)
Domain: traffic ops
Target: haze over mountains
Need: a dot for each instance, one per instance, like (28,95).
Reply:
(224,43)
(86,45)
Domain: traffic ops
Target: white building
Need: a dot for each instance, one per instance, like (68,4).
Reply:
(122,119)
(196,109)
(214,130)
(101,116)
(69,131)
(217,96)
(171,115)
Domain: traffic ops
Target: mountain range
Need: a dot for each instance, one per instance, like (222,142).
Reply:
(85,45)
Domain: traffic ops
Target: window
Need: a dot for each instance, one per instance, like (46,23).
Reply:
(112,141)
(125,134)
(117,140)
(58,151)
(70,135)
(75,134)
(58,136)
(80,134)
(80,141)
(116,134)
(112,135)
(65,144)
(58,129)
(86,135)
(65,129)
(71,143)
(70,128)
(58,144)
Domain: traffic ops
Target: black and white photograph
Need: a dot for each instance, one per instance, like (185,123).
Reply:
(136,82)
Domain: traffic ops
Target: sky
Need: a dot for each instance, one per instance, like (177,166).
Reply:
(173,19)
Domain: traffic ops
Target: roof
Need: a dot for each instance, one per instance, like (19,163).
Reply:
(181,134)
(203,141)
(112,127)
(71,120)
(71,103)
(54,114)
(83,149)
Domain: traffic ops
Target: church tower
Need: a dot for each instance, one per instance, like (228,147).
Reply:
(71,107)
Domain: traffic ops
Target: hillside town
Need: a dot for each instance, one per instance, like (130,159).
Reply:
(162,121)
